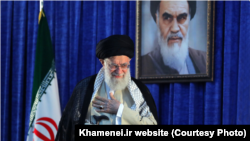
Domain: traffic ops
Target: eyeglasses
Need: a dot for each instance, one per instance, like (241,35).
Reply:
(123,66)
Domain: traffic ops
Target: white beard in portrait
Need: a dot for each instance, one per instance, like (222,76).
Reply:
(173,56)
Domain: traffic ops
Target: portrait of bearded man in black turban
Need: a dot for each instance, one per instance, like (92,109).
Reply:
(178,44)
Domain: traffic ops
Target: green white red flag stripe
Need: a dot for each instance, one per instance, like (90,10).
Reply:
(45,112)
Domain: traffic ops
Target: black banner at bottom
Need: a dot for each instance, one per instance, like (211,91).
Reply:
(169,131)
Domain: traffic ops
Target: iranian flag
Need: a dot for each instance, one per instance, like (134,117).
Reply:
(46,112)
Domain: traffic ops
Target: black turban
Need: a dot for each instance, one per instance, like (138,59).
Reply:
(155,4)
(115,45)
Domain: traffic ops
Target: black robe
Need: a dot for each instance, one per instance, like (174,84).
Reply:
(77,107)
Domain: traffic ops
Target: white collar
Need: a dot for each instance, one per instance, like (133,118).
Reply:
(108,90)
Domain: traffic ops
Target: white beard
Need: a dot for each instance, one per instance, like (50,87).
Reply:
(173,56)
(116,83)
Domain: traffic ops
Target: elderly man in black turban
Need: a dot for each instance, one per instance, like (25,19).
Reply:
(172,55)
(110,97)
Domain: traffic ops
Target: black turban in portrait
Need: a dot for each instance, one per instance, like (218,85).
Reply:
(115,45)
(154,5)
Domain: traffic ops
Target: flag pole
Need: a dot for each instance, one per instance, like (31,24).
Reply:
(41,11)
(45,111)
(41,5)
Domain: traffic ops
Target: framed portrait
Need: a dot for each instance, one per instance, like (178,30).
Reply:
(174,41)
